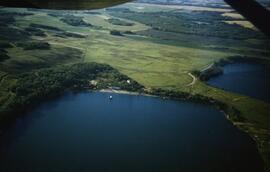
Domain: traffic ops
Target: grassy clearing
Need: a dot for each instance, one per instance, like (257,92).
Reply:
(233,15)
(245,24)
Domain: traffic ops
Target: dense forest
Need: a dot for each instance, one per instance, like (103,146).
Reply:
(36,86)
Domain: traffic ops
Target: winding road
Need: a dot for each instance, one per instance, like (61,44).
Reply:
(194,79)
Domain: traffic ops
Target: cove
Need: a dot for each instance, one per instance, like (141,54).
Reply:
(88,132)
(245,78)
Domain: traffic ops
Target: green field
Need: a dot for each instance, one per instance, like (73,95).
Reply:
(158,47)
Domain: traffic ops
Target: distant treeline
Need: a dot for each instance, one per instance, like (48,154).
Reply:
(203,23)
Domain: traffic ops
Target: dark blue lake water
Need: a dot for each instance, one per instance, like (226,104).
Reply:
(87,132)
(245,78)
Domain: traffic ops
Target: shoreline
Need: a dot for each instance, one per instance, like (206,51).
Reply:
(231,113)
(258,134)
(126,92)
(121,92)
(216,69)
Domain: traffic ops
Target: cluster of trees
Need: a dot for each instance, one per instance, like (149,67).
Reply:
(116,33)
(3,52)
(92,12)
(74,35)
(13,34)
(3,55)
(75,21)
(46,27)
(116,79)
(7,17)
(55,13)
(179,95)
(32,45)
(129,32)
(212,71)
(36,86)
(69,34)
(5,44)
(217,67)
(121,10)
(71,19)
(119,22)
(38,29)
(35,31)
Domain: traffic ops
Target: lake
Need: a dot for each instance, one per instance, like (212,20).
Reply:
(245,78)
(88,132)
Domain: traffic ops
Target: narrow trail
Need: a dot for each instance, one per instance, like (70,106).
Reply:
(194,79)
(207,67)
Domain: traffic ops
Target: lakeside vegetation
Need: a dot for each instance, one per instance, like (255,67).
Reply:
(158,55)
(34,87)
(216,68)
(231,112)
